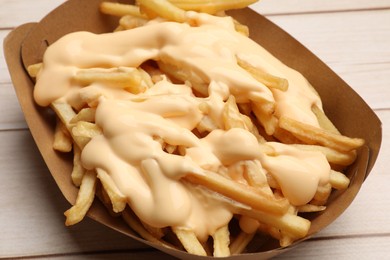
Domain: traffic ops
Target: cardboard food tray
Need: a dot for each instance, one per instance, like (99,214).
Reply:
(353,117)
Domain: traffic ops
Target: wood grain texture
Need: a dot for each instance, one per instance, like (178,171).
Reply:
(352,37)
(16,12)
(353,44)
(285,7)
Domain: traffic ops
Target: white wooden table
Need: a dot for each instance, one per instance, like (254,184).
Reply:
(351,36)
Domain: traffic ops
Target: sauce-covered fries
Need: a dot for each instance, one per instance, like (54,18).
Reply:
(185,126)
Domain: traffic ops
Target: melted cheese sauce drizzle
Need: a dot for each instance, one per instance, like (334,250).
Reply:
(129,150)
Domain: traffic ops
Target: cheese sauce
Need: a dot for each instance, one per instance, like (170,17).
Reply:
(130,151)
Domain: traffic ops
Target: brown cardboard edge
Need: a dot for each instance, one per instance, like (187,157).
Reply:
(39,120)
(43,129)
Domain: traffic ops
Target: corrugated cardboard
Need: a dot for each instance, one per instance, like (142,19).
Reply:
(26,44)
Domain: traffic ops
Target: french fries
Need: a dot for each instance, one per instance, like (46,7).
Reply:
(252,197)
(62,140)
(313,135)
(189,241)
(221,242)
(247,188)
(121,10)
(264,77)
(241,241)
(162,8)
(84,200)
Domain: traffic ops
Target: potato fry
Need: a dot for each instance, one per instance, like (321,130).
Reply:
(272,182)
(170,148)
(118,201)
(118,9)
(313,135)
(119,28)
(221,242)
(323,120)
(322,194)
(206,125)
(333,156)
(189,241)
(102,195)
(241,241)
(155,231)
(126,78)
(164,9)
(231,116)
(65,113)
(197,83)
(90,97)
(62,140)
(256,176)
(310,208)
(34,69)
(244,194)
(265,115)
(243,29)
(84,200)
(78,170)
(130,22)
(267,79)
(291,224)
(147,80)
(85,114)
(84,131)
(338,180)
(285,240)
(285,136)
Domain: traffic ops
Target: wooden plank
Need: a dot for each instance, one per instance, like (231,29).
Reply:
(32,220)
(357,51)
(17,12)
(362,248)
(271,7)
(369,213)
(11,113)
(4,74)
(32,207)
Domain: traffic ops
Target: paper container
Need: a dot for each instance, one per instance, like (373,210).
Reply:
(26,44)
